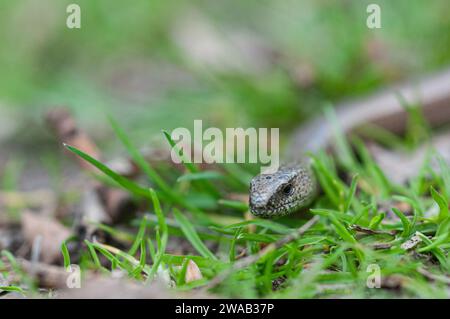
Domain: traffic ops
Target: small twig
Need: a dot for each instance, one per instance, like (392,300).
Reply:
(432,276)
(244,262)
(381,246)
(371,231)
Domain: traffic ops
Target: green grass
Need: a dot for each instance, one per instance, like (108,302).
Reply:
(330,259)
(193,205)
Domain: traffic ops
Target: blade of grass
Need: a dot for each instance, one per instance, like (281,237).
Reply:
(161,242)
(445,173)
(276,227)
(139,237)
(443,227)
(344,151)
(435,244)
(442,203)
(326,180)
(232,254)
(341,230)
(12,289)
(437,252)
(142,258)
(364,212)
(182,274)
(328,212)
(108,251)
(200,176)
(192,236)
(237,205)
(65,253)
(93,254)
(376,221)
(191,167)
(149,171)
(405,222)
(418,128)
(352,192)
(122,181)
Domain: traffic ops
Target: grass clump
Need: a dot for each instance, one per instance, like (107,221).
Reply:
(365,221)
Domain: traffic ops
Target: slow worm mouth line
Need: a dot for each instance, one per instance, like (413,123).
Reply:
(277,208)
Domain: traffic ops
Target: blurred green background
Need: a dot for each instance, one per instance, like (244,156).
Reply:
(160,64)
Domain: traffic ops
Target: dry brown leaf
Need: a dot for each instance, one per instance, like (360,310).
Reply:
(51,231)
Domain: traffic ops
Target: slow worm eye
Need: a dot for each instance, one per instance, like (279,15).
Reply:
(287,190)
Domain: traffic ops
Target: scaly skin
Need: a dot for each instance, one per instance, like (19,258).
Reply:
(283,192)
